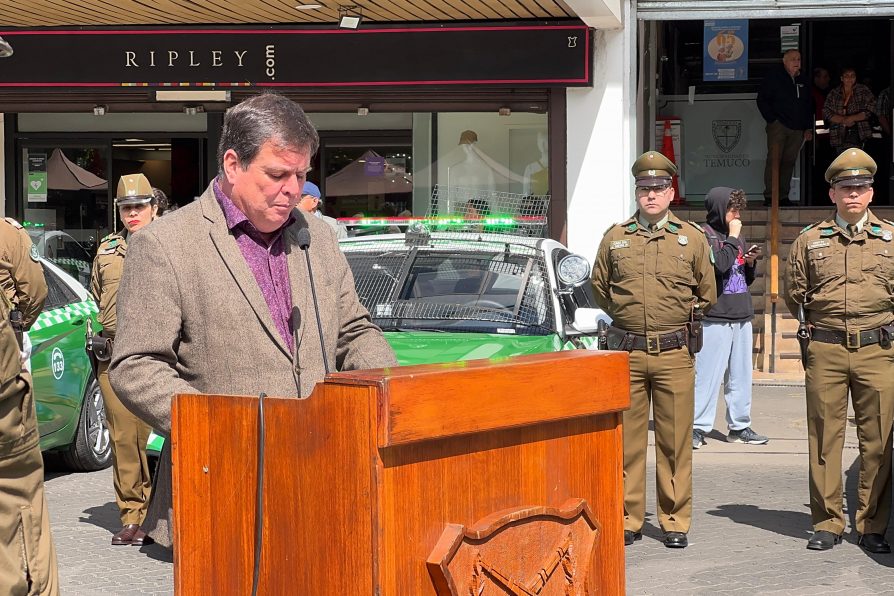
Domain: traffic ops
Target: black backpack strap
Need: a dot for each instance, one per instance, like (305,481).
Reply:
(713,239)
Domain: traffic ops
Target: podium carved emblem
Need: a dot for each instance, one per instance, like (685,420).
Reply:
(525,551)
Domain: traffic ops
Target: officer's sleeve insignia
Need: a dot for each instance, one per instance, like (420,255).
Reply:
(34,254)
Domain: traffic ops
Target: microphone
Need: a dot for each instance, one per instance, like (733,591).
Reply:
(304,244)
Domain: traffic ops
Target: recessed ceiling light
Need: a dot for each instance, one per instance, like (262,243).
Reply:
(309,6)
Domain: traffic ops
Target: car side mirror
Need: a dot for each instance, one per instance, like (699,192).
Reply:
(586,320)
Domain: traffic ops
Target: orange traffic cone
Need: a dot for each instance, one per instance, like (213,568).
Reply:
(667,149)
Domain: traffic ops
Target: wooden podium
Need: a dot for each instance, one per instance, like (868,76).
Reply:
(437,479)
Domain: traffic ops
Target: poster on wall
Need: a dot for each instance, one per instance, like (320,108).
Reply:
(789,37)
(37,177)
(726,50)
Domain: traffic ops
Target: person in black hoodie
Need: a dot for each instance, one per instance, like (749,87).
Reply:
(727,326)
(786,103)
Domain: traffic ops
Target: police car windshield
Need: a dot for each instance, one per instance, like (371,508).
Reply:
(465,291)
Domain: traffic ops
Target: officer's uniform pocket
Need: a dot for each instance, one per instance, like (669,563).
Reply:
(880,261)
(824,264)
(681,268)
(622,265)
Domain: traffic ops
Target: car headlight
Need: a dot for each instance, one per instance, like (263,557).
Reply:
(573,270)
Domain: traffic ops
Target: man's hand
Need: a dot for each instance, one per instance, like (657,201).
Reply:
(735,228)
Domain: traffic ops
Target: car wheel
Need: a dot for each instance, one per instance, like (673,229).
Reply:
(92,447)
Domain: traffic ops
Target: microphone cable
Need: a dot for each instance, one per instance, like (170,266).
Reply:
(259,498)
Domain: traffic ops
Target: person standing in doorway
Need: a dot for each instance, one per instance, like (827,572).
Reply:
(848,110)
(785,102)
(138,205)
(727,327)
(839,275)
(653,275)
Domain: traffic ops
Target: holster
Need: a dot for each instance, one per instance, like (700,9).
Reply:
(18,328)
(695,337)
(602,335)
(803,341)
(101,347)
(695,331)
(886,334)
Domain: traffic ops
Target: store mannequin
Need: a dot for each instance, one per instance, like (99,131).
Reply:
(536,179)
(471,172)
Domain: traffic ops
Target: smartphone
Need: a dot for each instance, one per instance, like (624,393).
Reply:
(754,247)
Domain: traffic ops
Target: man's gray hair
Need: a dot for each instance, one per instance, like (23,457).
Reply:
(262,118)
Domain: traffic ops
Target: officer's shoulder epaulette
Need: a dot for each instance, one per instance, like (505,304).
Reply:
(696,226)
(111,241)
(13,223)
(805,228)
(888,221)
(610,228)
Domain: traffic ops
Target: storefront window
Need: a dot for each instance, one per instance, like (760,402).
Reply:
(490,165)
(66,203)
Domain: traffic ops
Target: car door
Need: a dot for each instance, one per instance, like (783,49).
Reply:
(59,363)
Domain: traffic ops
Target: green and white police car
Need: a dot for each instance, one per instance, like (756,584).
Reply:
(70,409)
(470,291)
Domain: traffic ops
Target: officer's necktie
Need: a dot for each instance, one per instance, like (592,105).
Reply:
(852,231)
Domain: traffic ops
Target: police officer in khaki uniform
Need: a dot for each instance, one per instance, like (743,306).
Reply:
(653,273)
(26,287)
(27,554)
(840,271)
(137,206)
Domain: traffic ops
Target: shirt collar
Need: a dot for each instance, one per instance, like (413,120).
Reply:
(234,216)
(844,225)
(657,226)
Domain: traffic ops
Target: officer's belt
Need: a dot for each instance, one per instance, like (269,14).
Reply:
(619,339)
(851,339)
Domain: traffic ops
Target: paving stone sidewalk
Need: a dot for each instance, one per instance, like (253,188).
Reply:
(751,519)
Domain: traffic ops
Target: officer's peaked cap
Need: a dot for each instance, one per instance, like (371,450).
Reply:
(653,169)
(854,167)
(134,189)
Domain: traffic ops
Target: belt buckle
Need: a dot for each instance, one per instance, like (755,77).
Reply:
(653,345)
(852,340)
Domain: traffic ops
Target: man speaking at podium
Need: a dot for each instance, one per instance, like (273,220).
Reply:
(217,297)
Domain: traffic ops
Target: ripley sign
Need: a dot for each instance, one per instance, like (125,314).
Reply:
(541,55)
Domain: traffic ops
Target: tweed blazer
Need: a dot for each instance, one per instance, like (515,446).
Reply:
(192,319)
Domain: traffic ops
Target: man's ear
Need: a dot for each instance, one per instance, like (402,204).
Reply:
(231,165)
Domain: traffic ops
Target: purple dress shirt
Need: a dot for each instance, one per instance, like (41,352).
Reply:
(267,263)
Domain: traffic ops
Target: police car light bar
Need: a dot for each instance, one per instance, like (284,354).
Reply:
(441,222)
